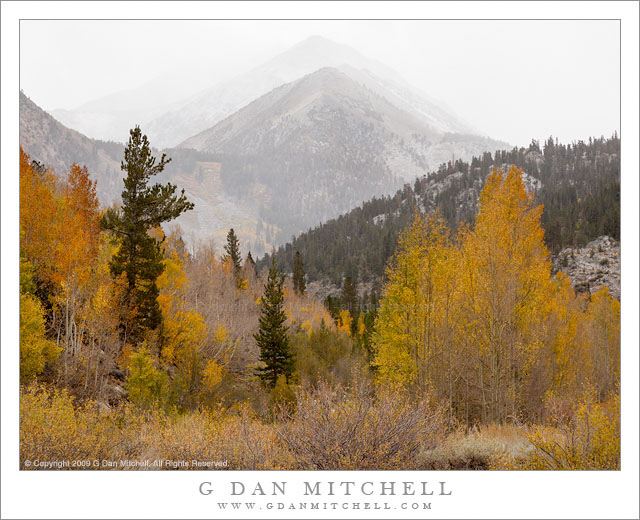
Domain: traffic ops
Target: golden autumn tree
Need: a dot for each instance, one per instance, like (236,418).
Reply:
(406,338)
(36,350)
(183,337)
(98,320)
(600,337)
(77,229)
(507,287)
(59,237)
(480,320)
(38,216)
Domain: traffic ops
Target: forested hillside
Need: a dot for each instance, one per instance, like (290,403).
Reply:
(578,184)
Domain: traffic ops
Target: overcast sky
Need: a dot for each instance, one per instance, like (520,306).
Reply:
(512,80)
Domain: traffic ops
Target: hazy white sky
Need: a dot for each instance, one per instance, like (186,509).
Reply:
(512,80)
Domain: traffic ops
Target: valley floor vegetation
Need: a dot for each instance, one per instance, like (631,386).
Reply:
(134,347)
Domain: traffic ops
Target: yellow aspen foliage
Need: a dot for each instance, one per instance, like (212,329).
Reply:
(566,359)
(600,335)
(212,375)
(38,215)
(221,334)
(361,325)
(146,383)
(482,322)
(182,328)
(405,340)
(507,292)
(125,356)
(344,322)
(35,349)
(308,327)
(589,439)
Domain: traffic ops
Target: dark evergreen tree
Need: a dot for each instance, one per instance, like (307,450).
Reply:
(272,338)
(349,296)
(143,208)
(299,283)
(332,304)
(249,263)
(233,252)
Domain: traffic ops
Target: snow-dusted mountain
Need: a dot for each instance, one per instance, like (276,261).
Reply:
(318,146)
(213,105)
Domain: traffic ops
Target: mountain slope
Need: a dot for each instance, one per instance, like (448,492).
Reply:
(51,143)
(316,147)
(213,105)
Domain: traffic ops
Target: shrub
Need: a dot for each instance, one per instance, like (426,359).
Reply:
(35,349)
(235,438)
(146,384)
(585,438)
(52,427)
(338,428)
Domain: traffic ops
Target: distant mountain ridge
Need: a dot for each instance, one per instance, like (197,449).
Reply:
(52,144)
(169,120)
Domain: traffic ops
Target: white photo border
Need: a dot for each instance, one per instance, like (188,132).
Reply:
(125,494)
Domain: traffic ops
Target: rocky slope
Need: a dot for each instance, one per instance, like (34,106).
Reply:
(592,266)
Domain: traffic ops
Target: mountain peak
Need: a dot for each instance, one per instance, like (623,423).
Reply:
(319,43)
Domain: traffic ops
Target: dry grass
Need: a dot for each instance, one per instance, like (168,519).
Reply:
(479,448)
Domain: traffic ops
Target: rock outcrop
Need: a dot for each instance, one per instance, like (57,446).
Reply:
(592,266)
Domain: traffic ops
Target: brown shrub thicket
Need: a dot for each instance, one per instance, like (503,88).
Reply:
(331,428)
(237,438)
(339,428)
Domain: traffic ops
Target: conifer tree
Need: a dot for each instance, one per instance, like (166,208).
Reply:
(143,208)
(299,283)
(271,338)
(349,295)
(249,263)
(233,253)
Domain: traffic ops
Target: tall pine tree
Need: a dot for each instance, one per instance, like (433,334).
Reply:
(349,296)
(249,263)
(233,253)
(272,337)
(299,283)
(143,208)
